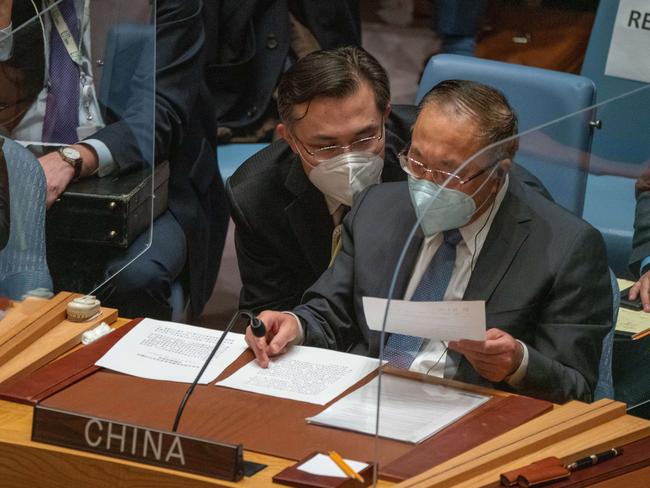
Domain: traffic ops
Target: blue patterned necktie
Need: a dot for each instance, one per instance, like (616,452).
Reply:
(401,349)
(62,109)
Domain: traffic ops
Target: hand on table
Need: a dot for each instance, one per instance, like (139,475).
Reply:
(642,289)
(59,174)
(496,358)
(281,330)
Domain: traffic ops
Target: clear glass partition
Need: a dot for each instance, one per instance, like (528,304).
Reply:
(513,255)
(77,81)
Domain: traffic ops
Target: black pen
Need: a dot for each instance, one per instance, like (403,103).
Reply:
(595,459)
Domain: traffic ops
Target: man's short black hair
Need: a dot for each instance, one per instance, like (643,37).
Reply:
(335,73)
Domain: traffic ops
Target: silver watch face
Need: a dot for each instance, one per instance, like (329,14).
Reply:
(71,153)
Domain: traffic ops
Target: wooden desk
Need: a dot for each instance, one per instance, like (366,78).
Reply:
(26,463)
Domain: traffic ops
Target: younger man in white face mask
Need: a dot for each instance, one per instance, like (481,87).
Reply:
(339,136)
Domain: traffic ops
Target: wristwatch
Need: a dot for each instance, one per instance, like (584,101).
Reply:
(71,156)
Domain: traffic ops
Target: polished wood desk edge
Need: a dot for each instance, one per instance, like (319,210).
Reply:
(15,430)
(15,434)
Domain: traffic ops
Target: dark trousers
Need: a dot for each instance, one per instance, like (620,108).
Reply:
(142,277)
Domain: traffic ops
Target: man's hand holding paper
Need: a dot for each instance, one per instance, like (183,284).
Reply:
(494,354)
(444,321)
(496,358)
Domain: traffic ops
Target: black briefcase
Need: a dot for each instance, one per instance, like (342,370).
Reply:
(110,211)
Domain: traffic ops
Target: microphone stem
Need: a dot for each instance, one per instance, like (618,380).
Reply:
(189,391)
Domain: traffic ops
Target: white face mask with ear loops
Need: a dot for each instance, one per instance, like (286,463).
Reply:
(439,208)
(345,176)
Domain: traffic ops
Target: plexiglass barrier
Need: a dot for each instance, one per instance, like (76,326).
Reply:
(77,81)
(522,240)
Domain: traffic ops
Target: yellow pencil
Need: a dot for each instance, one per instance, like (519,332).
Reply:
(641,335)
(336,457)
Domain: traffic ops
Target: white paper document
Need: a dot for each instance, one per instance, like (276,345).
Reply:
(322,465)
(160,350)
(410,410)
(442,321)
(305,374)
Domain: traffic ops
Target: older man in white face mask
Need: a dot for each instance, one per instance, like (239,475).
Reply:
(339,136)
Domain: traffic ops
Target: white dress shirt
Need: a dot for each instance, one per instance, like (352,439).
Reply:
(432,355)
(30,128)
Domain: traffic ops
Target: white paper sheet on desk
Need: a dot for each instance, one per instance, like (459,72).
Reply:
(409,410)
(443,321)
(160,350)
(322,465)
(305,374)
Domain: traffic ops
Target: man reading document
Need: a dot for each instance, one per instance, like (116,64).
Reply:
(484,236)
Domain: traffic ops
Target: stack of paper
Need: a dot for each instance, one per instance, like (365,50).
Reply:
(160,350)
(410,410)
(306,374)
(440,321)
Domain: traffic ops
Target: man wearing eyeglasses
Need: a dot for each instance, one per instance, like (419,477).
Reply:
(339,136)
(482,235)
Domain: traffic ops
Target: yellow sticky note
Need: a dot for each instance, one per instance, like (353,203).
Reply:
(632,321)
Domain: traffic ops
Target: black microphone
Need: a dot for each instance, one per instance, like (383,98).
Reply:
(257,327)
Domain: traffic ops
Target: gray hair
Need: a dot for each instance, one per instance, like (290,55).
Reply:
(483,104)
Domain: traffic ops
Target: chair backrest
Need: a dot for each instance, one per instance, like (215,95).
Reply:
(538,96)
(23,264)
(610,201)
(616,140)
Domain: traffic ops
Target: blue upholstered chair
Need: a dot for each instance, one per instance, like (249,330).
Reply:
(540,96)
(23,265)
(231,156)
(609,201)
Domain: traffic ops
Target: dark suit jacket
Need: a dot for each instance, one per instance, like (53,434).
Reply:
(5,215)
(641,239)
(542,272)
(283,230)
(21,76)
(253,42)
(185,134)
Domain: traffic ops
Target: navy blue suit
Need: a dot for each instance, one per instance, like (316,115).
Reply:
(188,239)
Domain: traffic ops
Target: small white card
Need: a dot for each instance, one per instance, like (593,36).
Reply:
(322,465)
(443,321)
